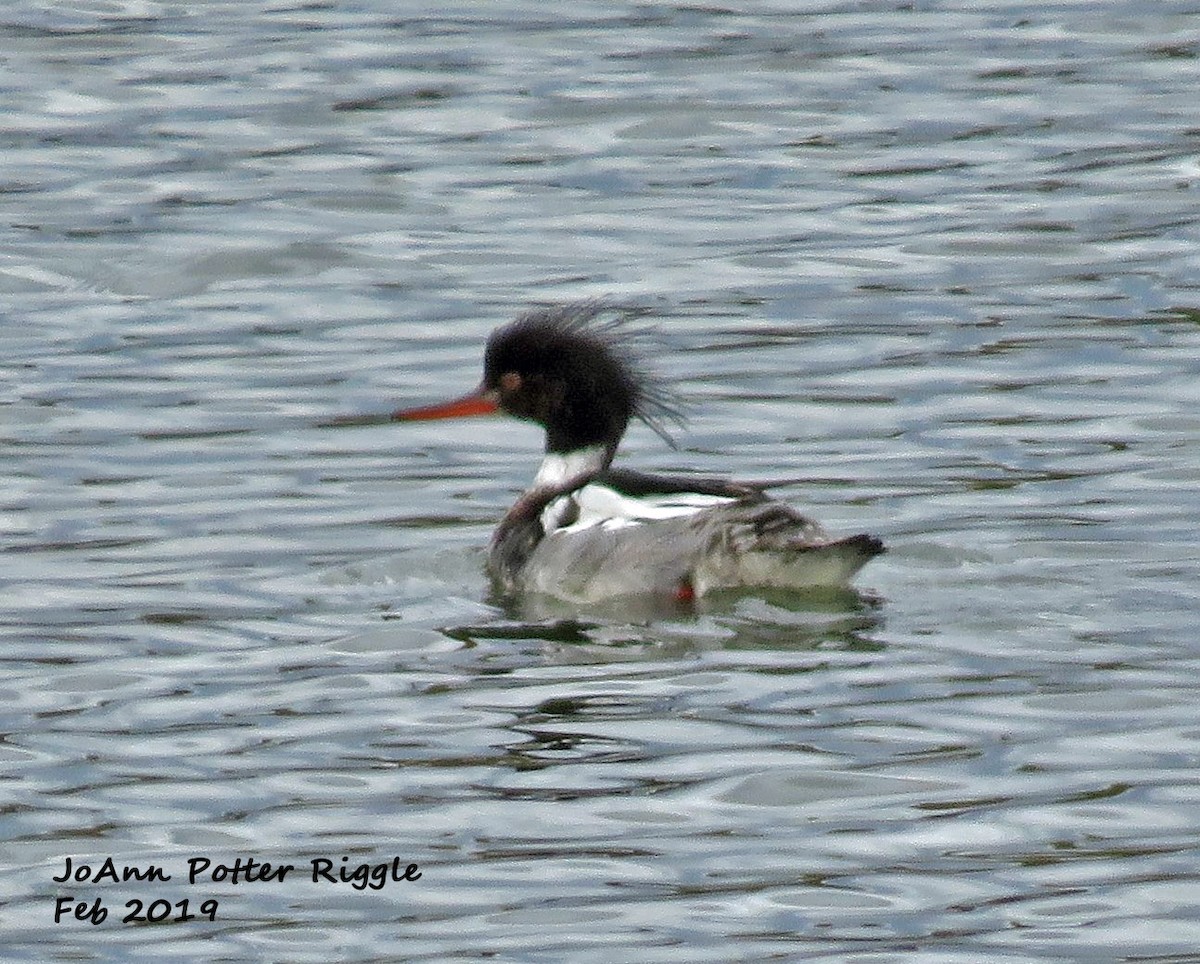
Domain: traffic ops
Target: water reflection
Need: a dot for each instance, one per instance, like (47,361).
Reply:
(760,619)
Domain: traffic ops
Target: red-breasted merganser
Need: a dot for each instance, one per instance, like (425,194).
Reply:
(584,531)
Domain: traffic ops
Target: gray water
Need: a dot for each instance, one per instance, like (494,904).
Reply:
(937,261)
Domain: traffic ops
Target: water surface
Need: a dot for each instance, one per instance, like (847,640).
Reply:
(938,263)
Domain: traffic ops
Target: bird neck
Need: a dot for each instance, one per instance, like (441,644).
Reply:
(559,469)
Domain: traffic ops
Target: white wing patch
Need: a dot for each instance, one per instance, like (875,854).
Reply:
(599,505)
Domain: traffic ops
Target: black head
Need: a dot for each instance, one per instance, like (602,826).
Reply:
(569,369)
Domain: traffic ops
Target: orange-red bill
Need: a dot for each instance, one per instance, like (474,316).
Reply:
(477,403)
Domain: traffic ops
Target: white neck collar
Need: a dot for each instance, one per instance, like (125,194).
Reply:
(560,468)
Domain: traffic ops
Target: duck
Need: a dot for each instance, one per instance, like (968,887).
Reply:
(585,531)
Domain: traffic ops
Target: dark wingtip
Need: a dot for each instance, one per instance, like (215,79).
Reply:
(868,545)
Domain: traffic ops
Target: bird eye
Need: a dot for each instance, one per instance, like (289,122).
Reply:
(510,382)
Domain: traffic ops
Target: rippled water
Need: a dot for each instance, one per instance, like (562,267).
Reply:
(938,261)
